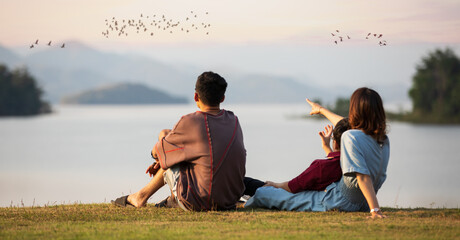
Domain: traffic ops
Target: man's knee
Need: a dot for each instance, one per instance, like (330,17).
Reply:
(163,134)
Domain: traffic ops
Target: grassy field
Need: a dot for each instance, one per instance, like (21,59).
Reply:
(104,221)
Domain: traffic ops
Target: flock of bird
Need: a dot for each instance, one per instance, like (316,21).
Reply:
(151,24)
(147,24)
(338,37)
(49,44)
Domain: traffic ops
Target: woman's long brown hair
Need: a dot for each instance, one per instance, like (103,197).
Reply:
(367,113)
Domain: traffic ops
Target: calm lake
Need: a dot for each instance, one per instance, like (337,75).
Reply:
(92,154)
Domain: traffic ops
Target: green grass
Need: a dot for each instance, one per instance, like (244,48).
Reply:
(104,221)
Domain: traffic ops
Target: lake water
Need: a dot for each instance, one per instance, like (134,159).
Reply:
(92,154)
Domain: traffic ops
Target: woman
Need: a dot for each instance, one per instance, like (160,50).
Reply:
(365,151)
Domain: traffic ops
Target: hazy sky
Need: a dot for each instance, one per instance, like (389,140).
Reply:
(235,21)
(278,37)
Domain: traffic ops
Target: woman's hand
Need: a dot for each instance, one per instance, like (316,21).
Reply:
(153,169)
(315,107)
(365,184)
(318,109)
(377,214)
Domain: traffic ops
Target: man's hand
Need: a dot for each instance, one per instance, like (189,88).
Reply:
(153,169)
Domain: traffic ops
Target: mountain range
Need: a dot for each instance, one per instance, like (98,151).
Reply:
(64,72)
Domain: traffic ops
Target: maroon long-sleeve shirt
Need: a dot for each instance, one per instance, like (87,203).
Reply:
(318,175)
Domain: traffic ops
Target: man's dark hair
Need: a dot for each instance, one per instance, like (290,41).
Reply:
(342,126)
(210,88)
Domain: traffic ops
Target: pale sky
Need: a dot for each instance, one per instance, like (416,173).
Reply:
(275,37)
(234,21)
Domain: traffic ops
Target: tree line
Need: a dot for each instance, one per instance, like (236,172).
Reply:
(19,93)
(435,91)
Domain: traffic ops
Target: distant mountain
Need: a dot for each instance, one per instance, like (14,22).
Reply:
(257,88)
(8,57)
(78,68)
(124,93)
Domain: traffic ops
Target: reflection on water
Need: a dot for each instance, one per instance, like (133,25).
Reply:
(97,153)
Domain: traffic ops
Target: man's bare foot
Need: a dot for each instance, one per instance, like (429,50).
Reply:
(136,201)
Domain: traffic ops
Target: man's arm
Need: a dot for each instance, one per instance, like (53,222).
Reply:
(153,169)
(162,134)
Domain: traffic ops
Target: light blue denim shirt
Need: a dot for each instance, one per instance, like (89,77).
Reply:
(360,153)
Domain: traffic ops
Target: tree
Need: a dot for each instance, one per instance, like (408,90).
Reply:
(435,92)
(19,94)
(342,106)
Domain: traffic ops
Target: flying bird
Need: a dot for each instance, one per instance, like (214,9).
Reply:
(137,25)
(63,45)
(36,42)
(49,44)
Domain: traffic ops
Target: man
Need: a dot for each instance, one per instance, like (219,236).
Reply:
(202,158)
